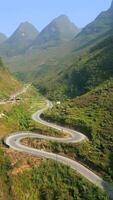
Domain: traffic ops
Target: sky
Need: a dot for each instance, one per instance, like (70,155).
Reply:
(41,12)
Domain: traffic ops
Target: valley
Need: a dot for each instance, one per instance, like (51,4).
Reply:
(10,142)
(56,110)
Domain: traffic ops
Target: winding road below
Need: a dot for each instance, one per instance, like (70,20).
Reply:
(14,141)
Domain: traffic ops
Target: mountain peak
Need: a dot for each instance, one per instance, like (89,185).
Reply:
(63,22)
(26,23)
(24,34)
(60,30)
(23,37)
(28,28)
(111,5)
(64,17)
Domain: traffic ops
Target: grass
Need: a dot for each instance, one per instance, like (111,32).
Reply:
(91,114)
(18,116)
(8,84)
(49,180)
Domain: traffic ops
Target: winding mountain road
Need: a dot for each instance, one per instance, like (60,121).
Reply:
(14,141)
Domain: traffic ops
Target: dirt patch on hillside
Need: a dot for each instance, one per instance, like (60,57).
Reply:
(22,161)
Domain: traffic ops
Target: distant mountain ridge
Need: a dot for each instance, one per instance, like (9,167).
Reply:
(46,65)
(3,37)
(60,30)
(19,40)
(27,37)
(83,75)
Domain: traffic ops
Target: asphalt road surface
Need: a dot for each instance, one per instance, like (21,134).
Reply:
(14,141)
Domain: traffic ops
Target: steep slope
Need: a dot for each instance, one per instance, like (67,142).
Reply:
(91,114)
(3,37)
(86,72)
(20,40)
(39,64)
(58,31)
(58,57)
(8,84)
(27,178)
(101,25)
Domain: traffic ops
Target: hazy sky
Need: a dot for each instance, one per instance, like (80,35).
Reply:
(41,12)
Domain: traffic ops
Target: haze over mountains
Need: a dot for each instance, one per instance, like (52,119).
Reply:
(61,30)
(102,25)
(58,31)
(27,36)
(3,37)
(76,68)
(45,53)
(19,40)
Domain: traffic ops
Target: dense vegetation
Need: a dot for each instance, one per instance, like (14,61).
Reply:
(49,181)
(18,116)
(5,180)
(89,71)
(92,114)
(8,84)
(100,26)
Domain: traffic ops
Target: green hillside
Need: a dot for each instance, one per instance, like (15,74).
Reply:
(65,65)
(44,49)
(23,176)
(101,25)
(91,114)
(39,65)
(48,181)
(8,84)
(89,71)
